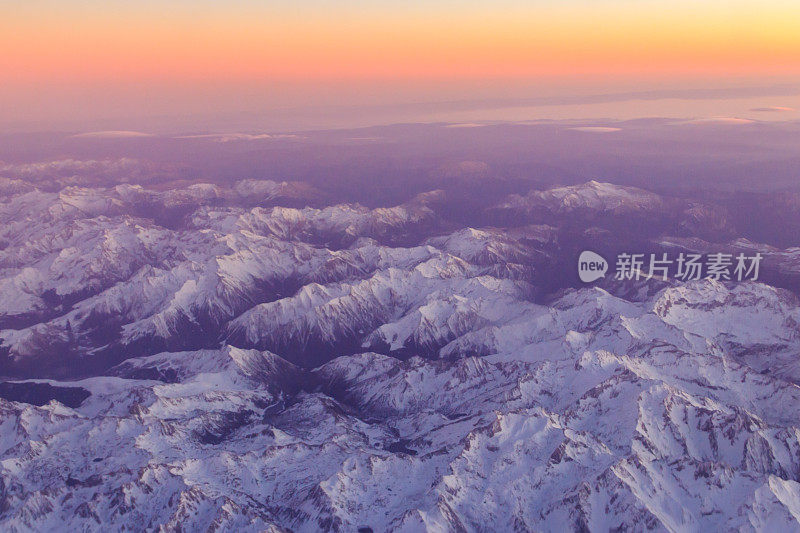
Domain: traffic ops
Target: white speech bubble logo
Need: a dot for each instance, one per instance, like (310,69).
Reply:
(591,266)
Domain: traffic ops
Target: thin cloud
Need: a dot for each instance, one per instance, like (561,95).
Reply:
(112,134)
(774,109)
(595,129)
(715,121)
(233,137)
(465,125)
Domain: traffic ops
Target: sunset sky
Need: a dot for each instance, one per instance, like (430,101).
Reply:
(57,56)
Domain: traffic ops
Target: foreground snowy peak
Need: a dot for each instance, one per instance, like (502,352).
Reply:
(593,413)
(433,301)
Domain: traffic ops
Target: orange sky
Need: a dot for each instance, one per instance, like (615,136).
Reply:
(71,60)
(93,41)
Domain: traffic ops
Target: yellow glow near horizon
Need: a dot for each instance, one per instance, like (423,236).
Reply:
(248,42)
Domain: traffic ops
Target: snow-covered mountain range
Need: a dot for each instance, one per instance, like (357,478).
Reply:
(232,359)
